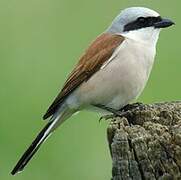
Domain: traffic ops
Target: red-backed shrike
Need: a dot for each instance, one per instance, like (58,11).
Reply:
(112,71)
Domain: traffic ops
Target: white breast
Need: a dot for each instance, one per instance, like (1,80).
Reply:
(119,81)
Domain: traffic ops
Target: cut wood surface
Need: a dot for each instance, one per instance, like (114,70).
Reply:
(146,145)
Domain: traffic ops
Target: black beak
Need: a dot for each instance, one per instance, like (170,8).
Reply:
(164,23)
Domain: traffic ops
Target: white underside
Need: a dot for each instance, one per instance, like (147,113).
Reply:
(119,81)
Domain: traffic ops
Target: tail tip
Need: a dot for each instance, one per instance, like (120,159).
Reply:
(13,172)
(16,171)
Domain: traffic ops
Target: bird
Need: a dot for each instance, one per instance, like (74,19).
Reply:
(112,72)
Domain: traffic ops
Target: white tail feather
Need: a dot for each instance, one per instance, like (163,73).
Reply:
(57,119)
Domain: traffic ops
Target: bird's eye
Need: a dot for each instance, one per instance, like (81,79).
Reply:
(141,20)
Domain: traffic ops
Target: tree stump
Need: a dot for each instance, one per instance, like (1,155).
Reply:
(147,144)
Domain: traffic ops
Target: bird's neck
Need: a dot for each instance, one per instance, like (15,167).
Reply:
(148,36)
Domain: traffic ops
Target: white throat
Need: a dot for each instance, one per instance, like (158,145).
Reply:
(147,35)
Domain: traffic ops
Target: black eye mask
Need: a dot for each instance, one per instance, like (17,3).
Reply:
(142,22)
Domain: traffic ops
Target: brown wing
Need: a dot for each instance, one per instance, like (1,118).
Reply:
(92,60)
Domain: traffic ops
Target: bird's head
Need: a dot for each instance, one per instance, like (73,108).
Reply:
(139,23)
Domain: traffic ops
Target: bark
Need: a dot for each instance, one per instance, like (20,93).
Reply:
(146,144)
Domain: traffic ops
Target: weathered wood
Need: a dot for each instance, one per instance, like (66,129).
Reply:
(148,148)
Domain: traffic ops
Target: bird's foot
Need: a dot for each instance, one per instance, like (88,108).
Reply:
(107,117)
(126,111)
(132,107)
(118,113)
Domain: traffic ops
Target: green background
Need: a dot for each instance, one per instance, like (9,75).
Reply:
(40,41)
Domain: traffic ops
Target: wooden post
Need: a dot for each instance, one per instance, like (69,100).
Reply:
(147,144)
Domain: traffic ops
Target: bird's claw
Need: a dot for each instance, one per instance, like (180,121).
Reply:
(126,111)
(131,107)
(107,117)
(118,114)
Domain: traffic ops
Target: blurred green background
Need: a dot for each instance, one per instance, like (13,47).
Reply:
(40,41)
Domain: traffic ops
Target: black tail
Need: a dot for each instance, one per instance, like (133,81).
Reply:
(42,136)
